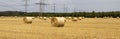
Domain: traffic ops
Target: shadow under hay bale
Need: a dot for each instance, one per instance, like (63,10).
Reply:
(58,21)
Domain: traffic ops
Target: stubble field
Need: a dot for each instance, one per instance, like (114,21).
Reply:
(88,28)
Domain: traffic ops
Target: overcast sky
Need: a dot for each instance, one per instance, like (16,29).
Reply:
(62,5)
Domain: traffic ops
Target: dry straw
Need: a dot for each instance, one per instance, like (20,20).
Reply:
(28,20)
(58,21)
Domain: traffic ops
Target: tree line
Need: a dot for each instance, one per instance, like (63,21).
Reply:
(72,14)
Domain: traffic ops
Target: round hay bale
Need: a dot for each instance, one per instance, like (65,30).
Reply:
(33,17)
(74,19)
(69,17)
(110,17)
(95,17)
(50,17)
(83,17)
(58,21)
(80,18)
(37,17)
(28,20)
(105,17)
(66,17)
(117,17)
(40,17)
(15,16)
(44,18)
(2,16)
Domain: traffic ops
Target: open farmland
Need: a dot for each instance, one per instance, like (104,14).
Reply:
(88,28)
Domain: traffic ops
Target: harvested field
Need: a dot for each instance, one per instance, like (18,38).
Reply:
(88,28)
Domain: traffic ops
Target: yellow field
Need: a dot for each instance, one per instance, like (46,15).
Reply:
(88,28)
